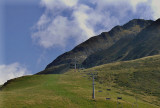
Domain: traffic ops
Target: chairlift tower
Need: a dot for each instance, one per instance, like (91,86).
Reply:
(93,85)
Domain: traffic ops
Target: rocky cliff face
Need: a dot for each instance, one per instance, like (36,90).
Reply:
(86,51)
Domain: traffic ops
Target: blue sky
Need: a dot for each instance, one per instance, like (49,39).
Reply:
(34,32)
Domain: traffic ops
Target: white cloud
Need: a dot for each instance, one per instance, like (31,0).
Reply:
(134,3)
(56,33)
(156,8)
(70,3)
(118,3)
(80,19)
(11,71)
(58,4)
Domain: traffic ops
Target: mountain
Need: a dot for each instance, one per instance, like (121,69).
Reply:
(96,44)
(145,43)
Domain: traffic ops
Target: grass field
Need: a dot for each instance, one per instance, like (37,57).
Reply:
(140,75)
(74,89)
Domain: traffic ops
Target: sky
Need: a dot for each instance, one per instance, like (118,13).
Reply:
(34,32)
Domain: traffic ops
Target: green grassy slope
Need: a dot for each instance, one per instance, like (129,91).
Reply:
(140,76)
(74,89)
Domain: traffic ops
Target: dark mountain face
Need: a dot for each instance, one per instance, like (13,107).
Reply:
(96,48)
(145,43)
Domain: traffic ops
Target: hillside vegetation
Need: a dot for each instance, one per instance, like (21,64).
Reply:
(136,81)
(140,76)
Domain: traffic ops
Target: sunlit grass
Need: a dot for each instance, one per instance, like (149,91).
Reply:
(74,89)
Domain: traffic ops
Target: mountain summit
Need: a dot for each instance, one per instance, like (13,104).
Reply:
(145,43)
(130,41)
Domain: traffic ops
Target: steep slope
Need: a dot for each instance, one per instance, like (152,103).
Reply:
(136,78)
(95,44)
(146,43)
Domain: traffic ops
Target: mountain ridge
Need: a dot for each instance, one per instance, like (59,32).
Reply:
(96,44)
(146,43)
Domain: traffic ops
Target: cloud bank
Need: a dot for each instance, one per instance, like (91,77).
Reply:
(11,71)
(79,20)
